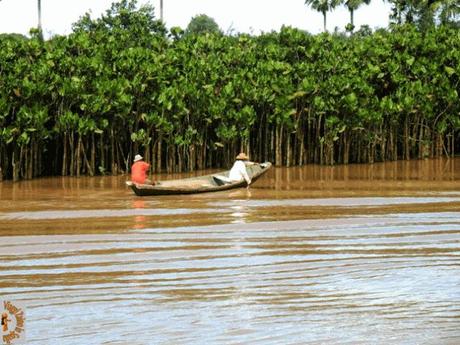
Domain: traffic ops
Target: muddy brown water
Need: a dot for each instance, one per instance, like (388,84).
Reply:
(358,254)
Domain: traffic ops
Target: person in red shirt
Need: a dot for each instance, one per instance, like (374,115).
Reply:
(139,171)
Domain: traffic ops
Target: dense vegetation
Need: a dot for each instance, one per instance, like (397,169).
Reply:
(87,102)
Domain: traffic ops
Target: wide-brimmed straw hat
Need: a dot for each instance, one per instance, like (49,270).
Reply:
(138,158)
(242,156)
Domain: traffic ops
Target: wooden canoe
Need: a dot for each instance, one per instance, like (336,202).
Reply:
(200,184)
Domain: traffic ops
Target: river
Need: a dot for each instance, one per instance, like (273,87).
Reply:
(357,254)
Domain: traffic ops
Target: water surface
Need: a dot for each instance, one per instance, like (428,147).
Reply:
(358,254)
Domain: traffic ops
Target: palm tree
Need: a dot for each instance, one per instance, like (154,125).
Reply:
(323,6)
(352,6)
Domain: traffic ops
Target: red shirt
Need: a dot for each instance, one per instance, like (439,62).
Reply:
(139,172)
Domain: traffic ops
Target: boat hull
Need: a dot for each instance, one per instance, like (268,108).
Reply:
(201,184)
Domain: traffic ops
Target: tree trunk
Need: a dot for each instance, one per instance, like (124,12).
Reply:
(288,151)
(72,154)
(161,10)
(191,158)
(102,153)
(30,167)
(346,148)
(302,155)
(1,163)
(78,165)
(37,159)
(64,156)
(278,144)
(406,139)
(93,154)
(15,164)
(88,165)
(324,21)
(39,5)
(158,167)
(113,165)
(352,21)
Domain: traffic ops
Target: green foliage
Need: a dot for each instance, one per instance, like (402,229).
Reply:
(120,85)
(202,24)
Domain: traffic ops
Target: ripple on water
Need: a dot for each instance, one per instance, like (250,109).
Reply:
(363,254)
(380,278)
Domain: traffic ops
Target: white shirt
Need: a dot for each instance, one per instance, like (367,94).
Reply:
(238,172)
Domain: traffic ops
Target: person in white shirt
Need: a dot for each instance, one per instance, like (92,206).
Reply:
(238,171)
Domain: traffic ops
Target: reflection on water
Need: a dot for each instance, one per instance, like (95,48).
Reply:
(363,254)
(102,213)
(139,221)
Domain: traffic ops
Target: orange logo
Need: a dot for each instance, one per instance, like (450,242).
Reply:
(13,318)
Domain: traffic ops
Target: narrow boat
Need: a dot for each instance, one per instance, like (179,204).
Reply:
(201,184)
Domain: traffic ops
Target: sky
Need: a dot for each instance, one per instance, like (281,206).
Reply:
(249,16)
